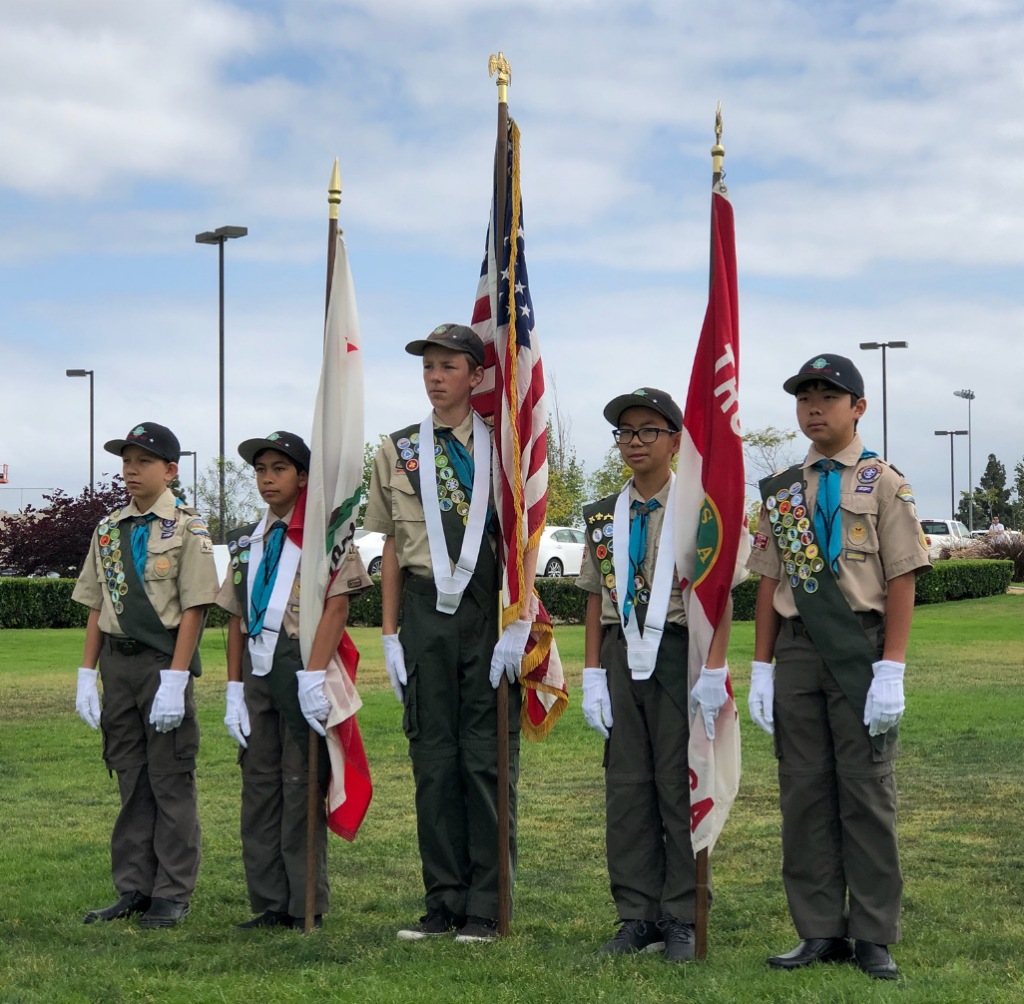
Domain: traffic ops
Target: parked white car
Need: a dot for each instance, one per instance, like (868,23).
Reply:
(370,545)
(944,533)
(561,551)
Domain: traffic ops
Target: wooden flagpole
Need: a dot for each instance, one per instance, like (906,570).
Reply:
(314,800)
(498,64)
(701,919)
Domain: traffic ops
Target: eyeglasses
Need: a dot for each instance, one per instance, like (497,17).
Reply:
(647,435)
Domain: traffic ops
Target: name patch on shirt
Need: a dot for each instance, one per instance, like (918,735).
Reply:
(865,489)
(855,556)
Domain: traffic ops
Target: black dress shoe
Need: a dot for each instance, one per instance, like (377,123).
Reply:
(813,950)
(299,923)
(163,913)
(130,903)
(875,960)
(269,918)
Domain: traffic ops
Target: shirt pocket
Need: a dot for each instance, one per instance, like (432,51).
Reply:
(405,503)
(163,560)
(859,513)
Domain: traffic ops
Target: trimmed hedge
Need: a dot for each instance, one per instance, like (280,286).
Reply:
(39,603)
(963,579)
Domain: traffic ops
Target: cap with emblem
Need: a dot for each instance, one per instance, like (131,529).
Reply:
(284,442)
(457,337)
(157,439)
(836,370)
(645,397)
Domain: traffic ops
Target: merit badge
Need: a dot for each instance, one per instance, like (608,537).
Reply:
(782,494)
(812,550)
(601,551)
(788,520)
(404,443)
(612,594)
(804,572)
(462,509)
(440,460)
(104,540)
(608,530)
(452,484)
(234,562)
(777,529)
(237,578)
(606,566)
(596,535)
(445,473)
(806,537)
(643,597)
(119,607)
(810,585)
(800,557)
(794,546)
(445,504)
(771,502)
(784,507)
(412,465)
(773,515)
(795,487)
(243,541)
(905,494)
(803,524)
(790,567)
(414,438)
(797,499)
(232,547)
(868,474)
(407,454)
(638,581)
(817,565)
(609,581)
(244,557)
(794,581)
(857,533)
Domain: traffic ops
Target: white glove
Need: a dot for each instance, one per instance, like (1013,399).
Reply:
(394,663)
(885,704)
(708,696)
(237,716)
(312,700)
(87,700)
(597,702)
(508,652)
(762,695)
(169,704)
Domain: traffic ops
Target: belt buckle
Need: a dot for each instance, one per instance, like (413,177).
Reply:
(127,646)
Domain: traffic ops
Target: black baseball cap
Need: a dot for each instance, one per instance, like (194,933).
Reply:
(284,442)
(457,337)
(157,439)
(828,368)
(645,397)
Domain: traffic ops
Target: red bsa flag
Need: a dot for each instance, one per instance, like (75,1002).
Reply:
(711,535)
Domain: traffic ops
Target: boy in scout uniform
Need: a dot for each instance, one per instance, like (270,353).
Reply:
(267,683)
(147,580)
(838,548)
(637,679)
(429,495)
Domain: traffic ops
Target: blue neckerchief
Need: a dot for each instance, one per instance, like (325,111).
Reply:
(637,551)
(140,542)
(266,576)
(459,458)
(827,524)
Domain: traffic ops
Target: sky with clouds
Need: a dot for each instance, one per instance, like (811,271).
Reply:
(874,159)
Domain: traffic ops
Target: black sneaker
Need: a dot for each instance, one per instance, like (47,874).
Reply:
(434,924)
(634,936)
(680,939)
(479,929)
(269,918)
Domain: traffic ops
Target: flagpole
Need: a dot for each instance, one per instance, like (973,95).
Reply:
(313,797)
(498,64)
(701,891)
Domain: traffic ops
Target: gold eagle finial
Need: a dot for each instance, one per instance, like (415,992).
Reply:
(499,64)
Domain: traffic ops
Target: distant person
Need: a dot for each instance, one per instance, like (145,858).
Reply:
(838,549)
(148,579)
(267,684)
(636,687)
(995,528)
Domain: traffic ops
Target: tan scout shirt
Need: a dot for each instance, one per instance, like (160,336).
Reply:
(180,571)
(395,510)
(593,581)
(881,537)
(350,581)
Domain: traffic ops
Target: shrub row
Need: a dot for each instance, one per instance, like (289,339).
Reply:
(37,603)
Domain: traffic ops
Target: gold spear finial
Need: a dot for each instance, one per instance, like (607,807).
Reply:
(334,192)
(717,151)
(499,64)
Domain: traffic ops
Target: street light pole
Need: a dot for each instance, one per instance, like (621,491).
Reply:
(952,492)
(968,396)
(219,237)
(92,425)
(192,454)
(885,390)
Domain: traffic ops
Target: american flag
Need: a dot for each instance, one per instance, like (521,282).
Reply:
(512,396)
(711,542)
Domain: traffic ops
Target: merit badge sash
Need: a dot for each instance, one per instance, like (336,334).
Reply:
(832,625)
(132,606)
(642,648)
(261,648)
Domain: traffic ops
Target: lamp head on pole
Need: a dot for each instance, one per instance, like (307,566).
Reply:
(220,235)
(78,373)
(967,395)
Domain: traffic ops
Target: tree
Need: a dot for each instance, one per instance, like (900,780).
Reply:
(610,476)
(369,452)
(767,450)
(177,490)
(242,502)
(566,480)
(56,537)
(994,494)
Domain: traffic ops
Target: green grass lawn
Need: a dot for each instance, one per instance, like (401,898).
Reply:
(961,830)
